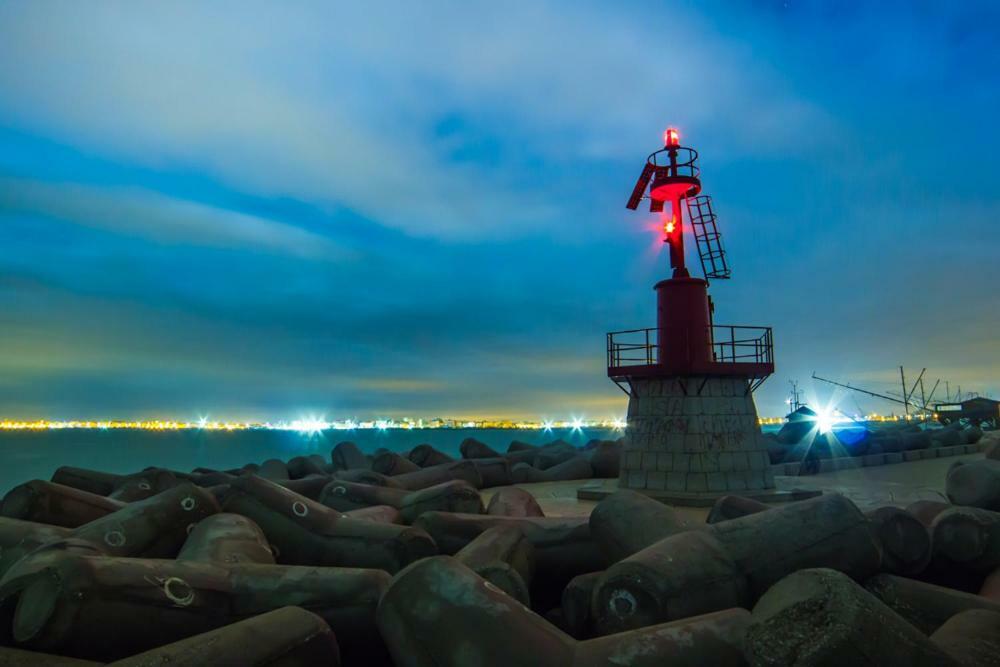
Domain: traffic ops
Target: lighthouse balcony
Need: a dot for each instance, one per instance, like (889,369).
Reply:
(732,351)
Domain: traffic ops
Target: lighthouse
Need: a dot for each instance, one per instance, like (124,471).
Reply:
(692,433)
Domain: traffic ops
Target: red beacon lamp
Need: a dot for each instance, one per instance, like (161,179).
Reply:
(686,342)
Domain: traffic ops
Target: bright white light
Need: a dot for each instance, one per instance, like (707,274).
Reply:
(381,425)
(310,425)
(202,422)
(619,424)
(824,421)
(577,424)
(547,425)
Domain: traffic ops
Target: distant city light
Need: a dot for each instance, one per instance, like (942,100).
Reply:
(310,425)
(827,419)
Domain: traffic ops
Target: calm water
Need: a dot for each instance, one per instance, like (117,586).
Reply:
(26,455)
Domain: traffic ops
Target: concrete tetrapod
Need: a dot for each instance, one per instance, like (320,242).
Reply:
(968,537)
(563,545)
(975,484)
(563,548)
(575,605)
(605,459)
(906,542)
(925,511)
(304,466)
(152,528)
(503,556)
(825,531)
(15,657)
(732,563)
(925,606)
(576,467)
(364,476)
(456,621)
(733,507)
(56,504)
(513,501)
(227,538)
(310,486)
(94,481)
(471,448)
(453,496)
(971,637)
(426,456)
(303,532)
(274,470)
(18,538)
(391,463)
(467,471)
(142,485)
(380,513)
(347,456)
(105,608)
(627,522)
(286,637)
(991,586)
(820,617)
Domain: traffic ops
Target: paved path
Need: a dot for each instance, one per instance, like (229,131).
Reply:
(896,484)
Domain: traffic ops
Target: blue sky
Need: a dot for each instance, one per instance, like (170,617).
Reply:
(262,210)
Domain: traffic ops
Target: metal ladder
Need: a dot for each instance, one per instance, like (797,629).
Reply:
(707,238)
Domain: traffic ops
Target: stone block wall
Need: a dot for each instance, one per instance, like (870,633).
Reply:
(680,439)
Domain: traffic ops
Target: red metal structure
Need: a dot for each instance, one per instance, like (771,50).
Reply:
(686,342)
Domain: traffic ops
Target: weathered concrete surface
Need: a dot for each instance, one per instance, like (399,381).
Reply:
(576,603)
(682,440)
(820,617)
(732,563)
(225,539)
(152,528)
(106,608)
(15,657)
(684,575)
(56,504)
(926,606)
(627,522)
(971,637)
(734,507)
(711,639)
(513,501)
(906,542)
(503,556)
(289,637)
(461,620)
(976,484)
(968,537)
(563,545)
(304,532)
(439,613)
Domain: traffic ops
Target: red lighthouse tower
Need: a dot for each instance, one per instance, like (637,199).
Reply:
(692,432)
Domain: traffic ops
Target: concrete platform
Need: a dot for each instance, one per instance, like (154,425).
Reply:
(899,485)
(681,499)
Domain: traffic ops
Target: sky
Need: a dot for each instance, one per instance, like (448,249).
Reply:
(259,210)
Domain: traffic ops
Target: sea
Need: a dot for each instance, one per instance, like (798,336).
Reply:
(27,455)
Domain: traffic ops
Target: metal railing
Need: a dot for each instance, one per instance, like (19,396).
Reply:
(749,345)
(730,344)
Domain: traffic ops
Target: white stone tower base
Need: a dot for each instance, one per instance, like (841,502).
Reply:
(694,435)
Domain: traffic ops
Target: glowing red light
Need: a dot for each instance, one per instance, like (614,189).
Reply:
(671,138)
